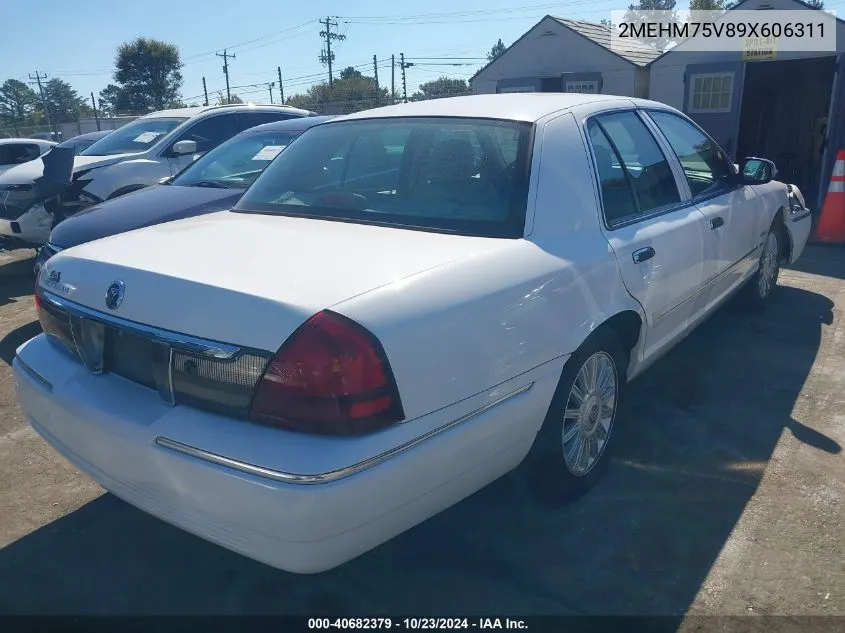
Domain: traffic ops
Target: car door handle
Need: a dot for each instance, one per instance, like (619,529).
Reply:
(643,254)
(715,223)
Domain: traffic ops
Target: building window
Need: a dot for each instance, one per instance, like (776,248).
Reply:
(711,93)
(584,87)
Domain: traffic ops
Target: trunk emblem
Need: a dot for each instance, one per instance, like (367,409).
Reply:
(114,295)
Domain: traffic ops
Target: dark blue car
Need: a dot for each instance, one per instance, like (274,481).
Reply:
(213,182)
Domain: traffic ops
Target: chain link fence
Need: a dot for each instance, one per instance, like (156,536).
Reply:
(63,131)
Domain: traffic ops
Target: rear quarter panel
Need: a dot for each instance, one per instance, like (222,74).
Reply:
(475,323)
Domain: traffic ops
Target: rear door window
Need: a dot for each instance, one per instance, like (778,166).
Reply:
(634,175)
(210,132)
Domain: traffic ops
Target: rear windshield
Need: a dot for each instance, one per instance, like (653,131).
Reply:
(237,162)
(457,175)
(134,137)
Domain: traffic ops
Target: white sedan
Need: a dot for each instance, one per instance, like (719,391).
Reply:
(407,304)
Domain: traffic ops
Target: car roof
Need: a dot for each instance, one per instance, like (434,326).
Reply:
(530,106)
(37,141)
(298,123)
(88,136)
(195,111)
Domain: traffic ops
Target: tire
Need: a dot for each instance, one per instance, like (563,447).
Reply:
(556,467)
(762,284)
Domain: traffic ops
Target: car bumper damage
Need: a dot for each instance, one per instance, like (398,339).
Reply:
(799,222)
(325,501)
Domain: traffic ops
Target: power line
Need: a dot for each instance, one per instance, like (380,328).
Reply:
(257,39)
(454,13)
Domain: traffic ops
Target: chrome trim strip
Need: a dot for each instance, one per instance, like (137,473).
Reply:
(798,218)
(202,347)
(706,285)
(334,475)
(41,380)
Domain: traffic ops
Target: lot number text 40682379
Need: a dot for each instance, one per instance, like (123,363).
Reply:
(425,624)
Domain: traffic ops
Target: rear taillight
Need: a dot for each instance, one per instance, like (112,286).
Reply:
(332,377)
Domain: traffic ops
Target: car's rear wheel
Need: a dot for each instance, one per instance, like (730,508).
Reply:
(764,281)
(571,451)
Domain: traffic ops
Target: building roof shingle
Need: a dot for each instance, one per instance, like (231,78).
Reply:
(634,51)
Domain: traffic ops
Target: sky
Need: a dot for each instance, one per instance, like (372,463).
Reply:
(77,41)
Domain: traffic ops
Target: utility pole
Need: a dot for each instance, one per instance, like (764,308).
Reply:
(392,77)
(205,91)
(94,105)
(404,85)
(281,88)
(226,57)
(326,55)
(270,86)
(38,77)
(375,71)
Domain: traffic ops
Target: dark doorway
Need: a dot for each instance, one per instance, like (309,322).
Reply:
(551,84)
(784,114)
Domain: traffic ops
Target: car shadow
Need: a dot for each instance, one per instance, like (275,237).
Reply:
(822,259)
(17,337)
(698,429)
(16,280)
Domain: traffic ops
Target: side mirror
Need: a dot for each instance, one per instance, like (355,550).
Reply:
(166,180)
(756,171)
(180,148)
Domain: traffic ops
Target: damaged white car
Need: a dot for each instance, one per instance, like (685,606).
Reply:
(140,153)
(411,302)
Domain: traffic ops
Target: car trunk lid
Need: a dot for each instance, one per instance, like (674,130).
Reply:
(246,279)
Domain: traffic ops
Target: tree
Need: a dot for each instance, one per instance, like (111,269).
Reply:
(707,5)
(442,87)
(221,99)
(113,100)
(350,73)
(637,14)
(64,103)
(498,49)
(349,93)
(815,4)
(17,103)
(148,74)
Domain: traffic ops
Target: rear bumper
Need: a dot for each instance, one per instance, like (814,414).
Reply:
(299,520)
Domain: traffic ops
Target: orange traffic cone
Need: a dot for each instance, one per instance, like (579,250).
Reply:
(831,226)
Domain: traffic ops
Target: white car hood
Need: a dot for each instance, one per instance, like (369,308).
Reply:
(249,279)
(29,172)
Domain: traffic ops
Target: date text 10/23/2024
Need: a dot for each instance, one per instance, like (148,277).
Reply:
(425,624)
